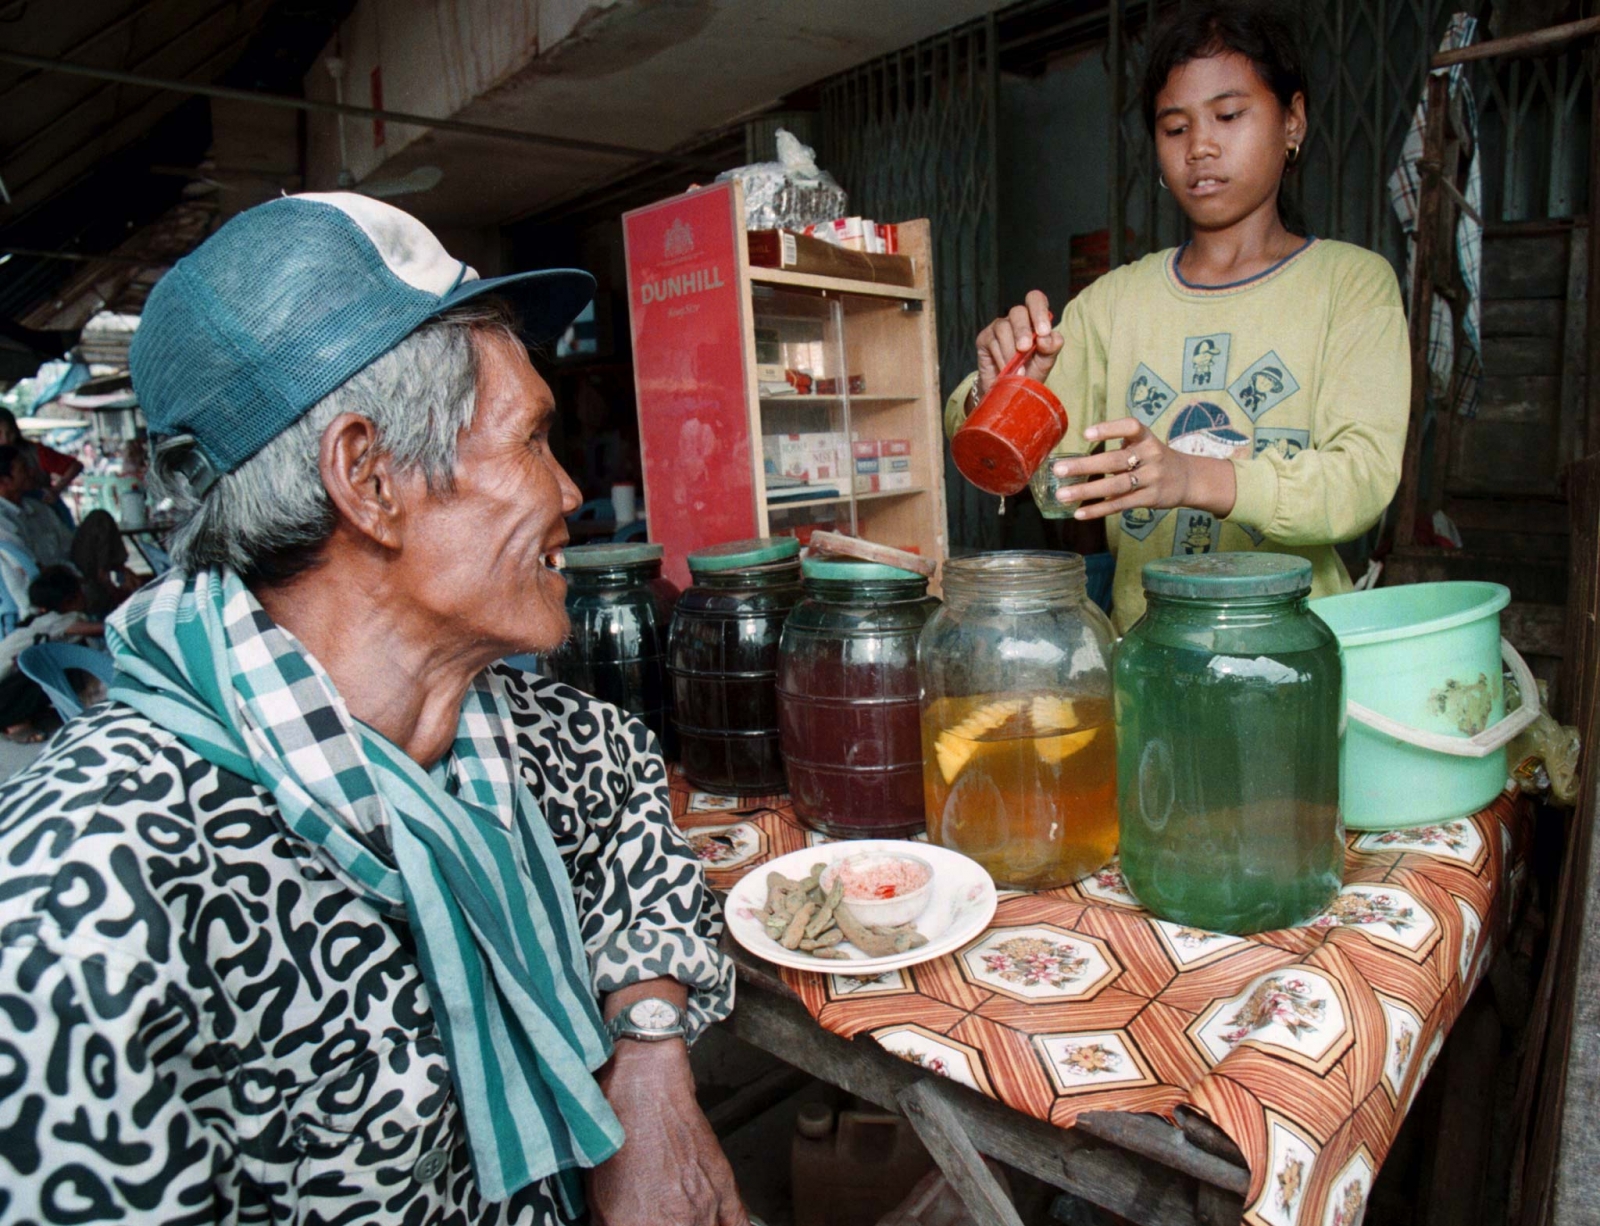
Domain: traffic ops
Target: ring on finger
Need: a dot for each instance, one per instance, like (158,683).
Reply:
(1133,460)
(1133,481)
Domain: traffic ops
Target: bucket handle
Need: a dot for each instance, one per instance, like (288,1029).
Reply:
(1480,746)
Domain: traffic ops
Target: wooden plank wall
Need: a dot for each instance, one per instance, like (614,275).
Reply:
(1558,1101)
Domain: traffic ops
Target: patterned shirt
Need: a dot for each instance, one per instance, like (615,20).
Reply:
(202,1024)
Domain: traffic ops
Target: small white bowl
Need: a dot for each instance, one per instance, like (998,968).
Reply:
(902,908)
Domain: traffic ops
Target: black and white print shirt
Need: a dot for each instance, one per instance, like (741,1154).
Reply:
(199,1023)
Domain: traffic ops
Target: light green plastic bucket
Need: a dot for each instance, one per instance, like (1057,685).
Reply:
(1427,734)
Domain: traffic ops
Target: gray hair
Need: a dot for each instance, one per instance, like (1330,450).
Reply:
(269,517)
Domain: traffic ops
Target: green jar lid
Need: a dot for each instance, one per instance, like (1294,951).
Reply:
(1225,576)
(760,551)
(861,572)
(599,557)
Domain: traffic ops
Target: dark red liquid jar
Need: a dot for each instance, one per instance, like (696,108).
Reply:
(848,699)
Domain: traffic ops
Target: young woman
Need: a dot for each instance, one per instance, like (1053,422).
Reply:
(1250,387)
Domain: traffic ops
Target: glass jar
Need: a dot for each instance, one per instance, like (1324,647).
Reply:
(1019,755)
(722,657)
(619,615)
(1230,696)
(847,699)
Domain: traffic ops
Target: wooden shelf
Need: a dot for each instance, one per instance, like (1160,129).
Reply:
(806,280)
(818,502)
(854,399)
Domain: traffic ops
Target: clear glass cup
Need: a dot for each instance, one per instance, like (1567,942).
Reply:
(1044,484)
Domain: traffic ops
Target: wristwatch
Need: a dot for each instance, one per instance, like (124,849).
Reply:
(649,1019)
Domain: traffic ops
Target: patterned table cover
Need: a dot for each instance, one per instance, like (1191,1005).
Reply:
(1305,1046)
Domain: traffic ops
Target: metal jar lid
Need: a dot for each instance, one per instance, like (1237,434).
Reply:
(603,556)
(852,571)
(736,555)
(1226,576)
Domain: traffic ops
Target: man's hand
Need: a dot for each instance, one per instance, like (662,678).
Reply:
(1025,327)
(1144,472)
(670,1170)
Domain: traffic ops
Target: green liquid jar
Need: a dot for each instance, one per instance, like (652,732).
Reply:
(1229,710)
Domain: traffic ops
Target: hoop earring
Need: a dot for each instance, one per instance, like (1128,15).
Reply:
(1162,179)
(1292,154)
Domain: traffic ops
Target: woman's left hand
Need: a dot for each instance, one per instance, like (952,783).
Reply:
(670,1169)
(1143,472)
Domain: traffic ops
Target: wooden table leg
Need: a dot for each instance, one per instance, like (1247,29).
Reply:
(939,1129)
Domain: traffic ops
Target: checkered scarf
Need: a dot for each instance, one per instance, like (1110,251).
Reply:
(461,852)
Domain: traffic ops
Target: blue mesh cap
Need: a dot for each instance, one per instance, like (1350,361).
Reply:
(288,301)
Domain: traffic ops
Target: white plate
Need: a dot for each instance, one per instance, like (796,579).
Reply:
(960,908)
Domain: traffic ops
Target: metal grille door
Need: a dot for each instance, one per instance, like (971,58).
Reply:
(912,135)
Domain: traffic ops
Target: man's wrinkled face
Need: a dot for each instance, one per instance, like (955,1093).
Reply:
(484,556)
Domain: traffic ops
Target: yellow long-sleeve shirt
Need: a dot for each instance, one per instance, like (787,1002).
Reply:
(1300,376)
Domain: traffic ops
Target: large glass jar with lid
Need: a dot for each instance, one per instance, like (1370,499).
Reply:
(1230,697)
(1019,753)
(722,658)
(848,698)
(617,649)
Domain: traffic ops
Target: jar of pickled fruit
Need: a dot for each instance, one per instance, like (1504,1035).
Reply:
(848,698)
(1018,748)
(722,658)
(1230,696)
(617,649)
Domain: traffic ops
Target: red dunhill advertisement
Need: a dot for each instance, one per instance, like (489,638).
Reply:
(688,369)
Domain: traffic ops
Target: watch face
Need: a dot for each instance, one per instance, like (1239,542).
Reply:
(653,1015)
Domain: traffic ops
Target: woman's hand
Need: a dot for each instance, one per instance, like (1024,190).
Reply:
(670,1170)
(1143,472)
(1027,328)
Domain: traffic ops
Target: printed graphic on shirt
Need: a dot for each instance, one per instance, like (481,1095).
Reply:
(1285,441)
(1203,429)
(1140,522)
(1205,362)
(1148,395)
(1265,384)
(1195,532)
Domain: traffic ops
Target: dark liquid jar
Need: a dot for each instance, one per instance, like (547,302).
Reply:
(617,649)
(722,658)
(1230,697)
(848,699)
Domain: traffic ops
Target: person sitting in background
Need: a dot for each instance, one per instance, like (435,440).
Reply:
(101,556)
(58,596)
(54,469)
(47,535)
(18,566)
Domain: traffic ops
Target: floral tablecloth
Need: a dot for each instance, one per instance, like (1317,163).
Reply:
(1306,1046)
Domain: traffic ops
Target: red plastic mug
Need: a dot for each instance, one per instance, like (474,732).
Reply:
(1009,435)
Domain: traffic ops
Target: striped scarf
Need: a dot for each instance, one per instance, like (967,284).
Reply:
(461,852)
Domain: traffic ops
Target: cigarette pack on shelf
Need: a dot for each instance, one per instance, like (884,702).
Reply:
(814,457)
(830,387)
(797,253)
(882,465)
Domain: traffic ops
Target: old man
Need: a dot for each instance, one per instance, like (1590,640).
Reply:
(327,915)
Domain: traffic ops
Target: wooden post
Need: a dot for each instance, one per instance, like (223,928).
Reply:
(1591,436)
(1422,302)
(1114,206)
(938,1128)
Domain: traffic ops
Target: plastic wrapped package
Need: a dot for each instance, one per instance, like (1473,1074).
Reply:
(789,193)
(1544,758)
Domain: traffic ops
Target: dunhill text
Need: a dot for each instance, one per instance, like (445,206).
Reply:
(677,287)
